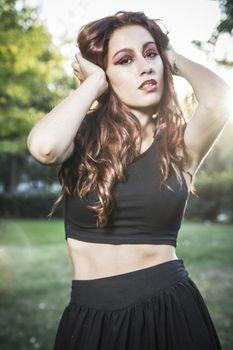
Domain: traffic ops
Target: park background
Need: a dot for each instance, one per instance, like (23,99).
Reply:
(37,45)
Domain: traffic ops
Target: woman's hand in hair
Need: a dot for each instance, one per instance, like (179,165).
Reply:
(83,68)
(171,54)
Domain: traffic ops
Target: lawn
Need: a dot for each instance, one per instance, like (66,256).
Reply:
(36,276)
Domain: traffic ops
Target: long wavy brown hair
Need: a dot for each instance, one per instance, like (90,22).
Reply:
(105,142)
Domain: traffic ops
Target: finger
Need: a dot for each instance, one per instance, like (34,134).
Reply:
(78,75)
(75,65)
(78,56)
(77,72)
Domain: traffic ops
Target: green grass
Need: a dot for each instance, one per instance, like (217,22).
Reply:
(36,276)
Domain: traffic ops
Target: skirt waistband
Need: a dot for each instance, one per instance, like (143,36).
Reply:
(125,289)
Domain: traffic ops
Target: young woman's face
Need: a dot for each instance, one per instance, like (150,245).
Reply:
(132,59)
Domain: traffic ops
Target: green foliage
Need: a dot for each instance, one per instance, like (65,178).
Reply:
(214,197)
(29,204)
(32,82)
(224,26)
(32,73)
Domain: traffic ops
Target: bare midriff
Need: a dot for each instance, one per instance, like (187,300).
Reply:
(98,260)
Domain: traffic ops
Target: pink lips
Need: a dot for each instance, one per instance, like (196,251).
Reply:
(148,84)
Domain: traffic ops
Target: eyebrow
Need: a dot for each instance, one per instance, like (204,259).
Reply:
(128,49)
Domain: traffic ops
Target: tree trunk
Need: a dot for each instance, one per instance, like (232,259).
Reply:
(10,180)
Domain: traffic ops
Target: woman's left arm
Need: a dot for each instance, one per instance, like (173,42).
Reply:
(211,115)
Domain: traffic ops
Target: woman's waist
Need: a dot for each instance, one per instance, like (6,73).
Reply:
(91,260)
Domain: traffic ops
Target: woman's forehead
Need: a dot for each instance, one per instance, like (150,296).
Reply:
(129,37)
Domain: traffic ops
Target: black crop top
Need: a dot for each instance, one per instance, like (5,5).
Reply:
(144,213)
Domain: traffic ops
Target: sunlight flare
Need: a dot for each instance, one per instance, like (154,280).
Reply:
(229,102)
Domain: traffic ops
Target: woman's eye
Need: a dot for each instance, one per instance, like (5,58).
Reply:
(128,60)
(125,60)
(151,54)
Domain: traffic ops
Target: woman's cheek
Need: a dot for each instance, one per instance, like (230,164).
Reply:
(120,87)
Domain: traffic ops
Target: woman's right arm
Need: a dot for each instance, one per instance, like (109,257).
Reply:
(51,139)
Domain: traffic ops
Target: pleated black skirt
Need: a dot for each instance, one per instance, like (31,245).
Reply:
(155,308)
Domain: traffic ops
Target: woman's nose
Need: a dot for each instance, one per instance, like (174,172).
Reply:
(144,66)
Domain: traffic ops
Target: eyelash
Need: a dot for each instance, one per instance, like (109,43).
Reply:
(129,58)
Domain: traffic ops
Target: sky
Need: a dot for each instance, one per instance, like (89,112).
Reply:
(186,20)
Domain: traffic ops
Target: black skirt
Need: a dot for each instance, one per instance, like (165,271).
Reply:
(155,308)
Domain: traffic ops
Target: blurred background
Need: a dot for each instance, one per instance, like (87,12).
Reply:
(37,47)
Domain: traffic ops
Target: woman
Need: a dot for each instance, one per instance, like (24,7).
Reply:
(128,163)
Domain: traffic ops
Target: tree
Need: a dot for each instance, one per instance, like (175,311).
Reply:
(225,26)
(32,81)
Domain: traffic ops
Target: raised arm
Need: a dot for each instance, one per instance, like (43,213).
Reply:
(51,139)
(211,115)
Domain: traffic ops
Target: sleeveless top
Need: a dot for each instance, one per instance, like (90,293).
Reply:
(144,212)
